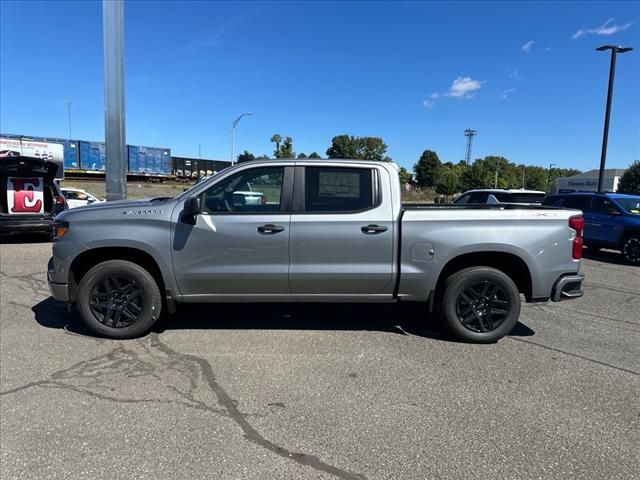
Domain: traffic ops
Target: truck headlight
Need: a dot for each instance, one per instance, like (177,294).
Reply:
(60,229)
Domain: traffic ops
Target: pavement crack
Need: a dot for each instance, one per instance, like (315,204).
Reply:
(582,357)
(250,433)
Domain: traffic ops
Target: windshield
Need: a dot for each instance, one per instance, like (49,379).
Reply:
(630,204)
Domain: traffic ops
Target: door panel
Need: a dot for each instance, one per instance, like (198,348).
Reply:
(341,253)
(239,245)
(226,254)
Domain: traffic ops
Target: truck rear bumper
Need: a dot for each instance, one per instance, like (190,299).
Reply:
(568,287)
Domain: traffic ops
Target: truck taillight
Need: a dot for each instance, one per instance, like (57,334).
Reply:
(577,223)
(60,200)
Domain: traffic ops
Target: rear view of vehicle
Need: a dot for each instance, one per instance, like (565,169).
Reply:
(29,197)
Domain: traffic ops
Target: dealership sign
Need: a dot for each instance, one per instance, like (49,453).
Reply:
(25,195)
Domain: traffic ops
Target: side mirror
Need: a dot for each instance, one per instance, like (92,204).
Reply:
(192,207)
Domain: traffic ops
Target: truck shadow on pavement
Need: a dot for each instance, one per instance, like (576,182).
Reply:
(407,319)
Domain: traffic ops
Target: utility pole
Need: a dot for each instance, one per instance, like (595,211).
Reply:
(495,185)
(199,153)
(68,104)
(116,150)
(605,136)
(523,167)
(469,134)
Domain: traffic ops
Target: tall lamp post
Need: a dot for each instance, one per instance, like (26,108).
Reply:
(233,128)
(612,71)
(551,165)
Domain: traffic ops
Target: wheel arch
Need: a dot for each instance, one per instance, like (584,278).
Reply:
(512,265)
(89,258)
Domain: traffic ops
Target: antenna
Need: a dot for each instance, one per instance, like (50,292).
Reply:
(469,134)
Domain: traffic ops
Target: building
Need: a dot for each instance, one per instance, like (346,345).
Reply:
(588,181)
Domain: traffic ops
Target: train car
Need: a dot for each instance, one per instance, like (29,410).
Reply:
(54,149)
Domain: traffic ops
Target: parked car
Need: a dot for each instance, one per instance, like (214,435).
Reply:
(611,220)
(9,153)
(496,195)
(79,198)
(29,196)
(328,231)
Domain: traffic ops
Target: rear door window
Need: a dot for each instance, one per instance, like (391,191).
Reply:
(337,189)
(479,197)
(579,203)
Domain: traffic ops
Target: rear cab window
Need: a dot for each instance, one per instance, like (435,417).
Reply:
(339,189)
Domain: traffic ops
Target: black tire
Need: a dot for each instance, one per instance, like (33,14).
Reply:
(631,249)
(486,315)
(119,299)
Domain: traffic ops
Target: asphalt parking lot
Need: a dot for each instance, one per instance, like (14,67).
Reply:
(320,391)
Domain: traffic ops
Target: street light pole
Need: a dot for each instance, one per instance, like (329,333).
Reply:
(551,165)
(68,103)
(605,136)
(233,127)
(523,167)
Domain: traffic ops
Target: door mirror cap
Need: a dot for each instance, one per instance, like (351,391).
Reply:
(192,207)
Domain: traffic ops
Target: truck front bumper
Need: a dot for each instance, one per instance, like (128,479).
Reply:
(64,292)
(568,287)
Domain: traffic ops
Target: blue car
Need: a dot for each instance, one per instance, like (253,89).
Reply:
(611,220)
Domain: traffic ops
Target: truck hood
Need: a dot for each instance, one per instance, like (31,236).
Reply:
(126,207)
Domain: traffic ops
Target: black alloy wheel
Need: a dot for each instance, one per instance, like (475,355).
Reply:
(116,301)
(119,299)
(482,306)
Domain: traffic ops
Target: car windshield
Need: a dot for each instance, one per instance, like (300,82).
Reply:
(630,204)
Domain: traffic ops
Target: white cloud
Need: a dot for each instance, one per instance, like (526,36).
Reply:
(428,103)
(507,93)
(513,72)
(526,48)
(435,95)
(607,28)
(464,87)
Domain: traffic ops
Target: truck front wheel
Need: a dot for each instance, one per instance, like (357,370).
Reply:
(480,304)
(119,299)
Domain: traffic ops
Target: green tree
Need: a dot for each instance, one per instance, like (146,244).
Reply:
(343,146)
(277,139)
(314,155)
(405,176)
(630,179)
(472,177)
(301,156)
(447,183)
(427,168)
(286,150)
(245,157)
(371,148)
(264,156)
(358,148)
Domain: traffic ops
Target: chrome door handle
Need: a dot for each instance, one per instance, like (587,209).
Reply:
(370,229)
(269,228)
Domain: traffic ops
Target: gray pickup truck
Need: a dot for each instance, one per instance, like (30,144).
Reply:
(322,231)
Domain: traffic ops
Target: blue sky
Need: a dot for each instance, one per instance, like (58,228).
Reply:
(524,75)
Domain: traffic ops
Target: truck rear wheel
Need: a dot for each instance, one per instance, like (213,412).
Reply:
(480,304)
(119,299)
